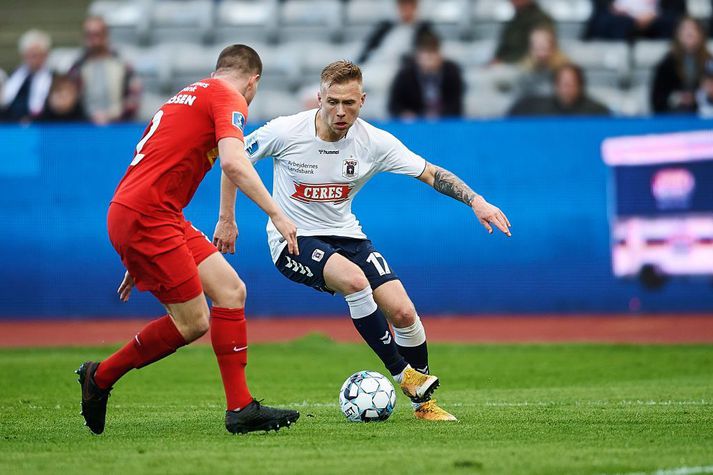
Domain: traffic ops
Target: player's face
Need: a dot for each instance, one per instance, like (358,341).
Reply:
(339,105)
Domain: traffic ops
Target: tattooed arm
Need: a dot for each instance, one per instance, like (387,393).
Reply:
(449,184)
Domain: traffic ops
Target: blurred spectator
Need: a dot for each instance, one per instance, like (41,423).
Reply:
(679,73)
(391,40)
(109,90)
(515,36)
(631,19)
(25,92)
(704,96)
(428,85)
(543,59)
(570,98)
(63,103)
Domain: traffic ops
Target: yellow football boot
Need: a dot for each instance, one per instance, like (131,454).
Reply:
(418,386)
(430,411)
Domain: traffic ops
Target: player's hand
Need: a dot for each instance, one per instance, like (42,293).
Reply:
(488,214)
(288,229)
(124,290)
(225,234)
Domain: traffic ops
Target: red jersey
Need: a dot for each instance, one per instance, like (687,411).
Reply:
(179,147)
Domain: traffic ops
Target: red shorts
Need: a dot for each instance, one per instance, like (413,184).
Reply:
(161,254)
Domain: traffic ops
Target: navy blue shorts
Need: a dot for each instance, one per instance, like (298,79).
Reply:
(308,267)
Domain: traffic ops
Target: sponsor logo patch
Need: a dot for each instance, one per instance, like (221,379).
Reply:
(321,193)
(350,168)
(253,147)
(317,255)
(238,120)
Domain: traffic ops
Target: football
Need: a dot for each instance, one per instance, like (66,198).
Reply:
(367,396)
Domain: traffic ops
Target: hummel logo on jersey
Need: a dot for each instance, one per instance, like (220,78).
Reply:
(328,152)
(321,193)
(238,120)
(386,339)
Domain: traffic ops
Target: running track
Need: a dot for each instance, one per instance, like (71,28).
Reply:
(659,329)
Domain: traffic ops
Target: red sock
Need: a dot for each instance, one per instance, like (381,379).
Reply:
(156,340)
(228,334)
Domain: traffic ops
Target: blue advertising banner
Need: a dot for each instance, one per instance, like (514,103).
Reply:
(547,175)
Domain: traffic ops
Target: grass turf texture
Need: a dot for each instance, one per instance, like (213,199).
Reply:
(522,409)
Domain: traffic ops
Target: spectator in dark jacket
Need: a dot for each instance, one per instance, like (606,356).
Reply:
(427,85)
(25,92)
(515,36)
(631,19)
(109,90)
(679,73)
(570,98)
(391,40)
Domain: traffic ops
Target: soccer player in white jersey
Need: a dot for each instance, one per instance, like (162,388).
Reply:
(322,158)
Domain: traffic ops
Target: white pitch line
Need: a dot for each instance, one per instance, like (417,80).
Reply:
(675,471)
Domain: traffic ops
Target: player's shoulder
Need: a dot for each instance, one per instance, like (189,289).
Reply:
(372,136)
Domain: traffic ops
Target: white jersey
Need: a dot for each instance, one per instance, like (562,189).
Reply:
(314,181)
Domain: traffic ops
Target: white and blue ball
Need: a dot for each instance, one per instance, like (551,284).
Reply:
(367,396)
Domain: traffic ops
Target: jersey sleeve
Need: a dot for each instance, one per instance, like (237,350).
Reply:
(265,142)
(395,157)
(229,111)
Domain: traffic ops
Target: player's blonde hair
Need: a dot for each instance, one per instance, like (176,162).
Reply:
(340,72)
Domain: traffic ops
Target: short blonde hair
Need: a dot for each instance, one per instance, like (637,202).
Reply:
(34,37)
(340,72)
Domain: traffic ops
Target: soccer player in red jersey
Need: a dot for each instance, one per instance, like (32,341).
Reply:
(164,254)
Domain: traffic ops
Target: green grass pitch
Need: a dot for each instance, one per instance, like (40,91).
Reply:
(523,409)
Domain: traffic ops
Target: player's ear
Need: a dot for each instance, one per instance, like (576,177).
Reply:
(363,98)
(319,99)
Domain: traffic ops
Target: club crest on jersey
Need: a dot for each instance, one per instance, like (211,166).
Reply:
(350,168)
(321,192)
(317,255)
(238,120)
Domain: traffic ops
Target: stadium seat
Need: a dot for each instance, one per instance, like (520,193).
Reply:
(315,55)
(271,103)
(488,17)
(699,8)
(475,53)
(181,20)
(152,65)
(360,17)
(310,19)
(281,68)
(645,56)
(606,63)
(451,18)
(191,62)
(150,103)
(246,21)
(128,20)
(62,59)
(481,105)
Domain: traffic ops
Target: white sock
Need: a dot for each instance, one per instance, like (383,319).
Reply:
(410,336)
(361,304)
(400,377)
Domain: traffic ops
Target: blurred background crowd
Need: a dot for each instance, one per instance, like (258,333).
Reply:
(427,58)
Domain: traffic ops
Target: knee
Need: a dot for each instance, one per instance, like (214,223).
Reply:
(355,282)
(197,327)
(403,316)
(233,295)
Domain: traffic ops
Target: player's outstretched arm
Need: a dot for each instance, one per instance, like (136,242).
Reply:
(241,172)
(226,230)
(449,184)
